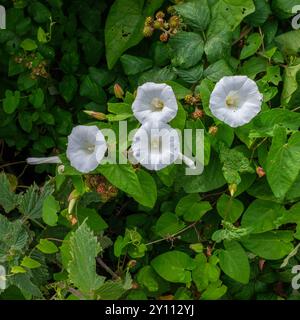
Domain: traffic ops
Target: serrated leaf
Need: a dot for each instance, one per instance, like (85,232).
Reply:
(31,203)
(8,200)
(84,249)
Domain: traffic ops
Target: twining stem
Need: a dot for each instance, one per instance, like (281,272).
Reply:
(11,164)
(107,268)
(173,235)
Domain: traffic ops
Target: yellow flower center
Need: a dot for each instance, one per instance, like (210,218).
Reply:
(232,100)
(157,103)
(90,148)
(155,143)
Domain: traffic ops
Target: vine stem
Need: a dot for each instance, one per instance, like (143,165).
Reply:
(11,164)
(173,235)
(107,268)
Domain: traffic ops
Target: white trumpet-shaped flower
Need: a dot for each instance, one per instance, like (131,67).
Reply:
(155,102)
(43,160)
(86,148)
(235,100)
(155,146)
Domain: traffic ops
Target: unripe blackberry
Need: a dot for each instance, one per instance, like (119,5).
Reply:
(148,31)
(149,21)
(160,15)
(174,22)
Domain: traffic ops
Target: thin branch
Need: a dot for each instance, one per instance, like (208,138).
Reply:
(107,268)
(76,293)
(173,235)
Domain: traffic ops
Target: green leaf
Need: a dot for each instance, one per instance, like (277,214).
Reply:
(30,263)
(253,43)
(68,87)
(13,238)
(212,178)
(126,179)
(174,266)
(234,163)
(168,224)
(114,290)
(39,12)
(49,211)
(234,262)
(272,245)
(150,280)
(8,200)
(90,89)
(261,216)
(229,209)
(264,124)
(11,101)
(194,13)
(93,220)
(179,121)
(25,120)
(218,70)
(283,162)
(82,267)
(187,48)
(261,14)
(206,272)
(225,17)
(123,31)
(42,35)
(17,269)
(180,91)
(37,98)
(28,45)
(31,203)
(47,247)
(289,42)
(290,84)
(192,208)
(133,65)
(119,108)
(283,8)
(148,196)
(214,291)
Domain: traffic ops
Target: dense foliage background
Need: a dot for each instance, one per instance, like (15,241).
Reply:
(231,233)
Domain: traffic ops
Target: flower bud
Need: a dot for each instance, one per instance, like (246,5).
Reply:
(213,130)
(148,31)
(197,114)
(96,115)
(174,22)
(119,93)
(164,37)
(260,172)
(157,24)
(160,15)
(232,189)
(73,197)
(149,21)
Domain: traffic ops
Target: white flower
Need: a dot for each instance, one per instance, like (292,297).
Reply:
(86,148)
(235,100)
(155,145)
(44,160)
(155,102)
